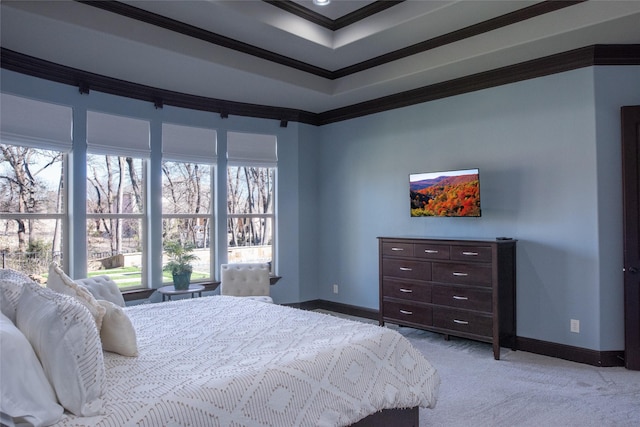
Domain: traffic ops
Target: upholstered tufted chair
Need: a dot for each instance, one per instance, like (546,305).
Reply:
(246,280)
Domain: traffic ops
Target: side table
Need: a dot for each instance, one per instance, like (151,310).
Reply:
(168,291)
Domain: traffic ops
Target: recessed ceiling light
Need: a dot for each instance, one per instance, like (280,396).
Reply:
(321,2)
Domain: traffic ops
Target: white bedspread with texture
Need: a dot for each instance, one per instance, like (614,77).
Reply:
(226,361)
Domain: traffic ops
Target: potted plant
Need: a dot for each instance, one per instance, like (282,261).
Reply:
(180,258)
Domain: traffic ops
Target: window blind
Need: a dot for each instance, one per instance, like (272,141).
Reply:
(34,123)
(188,144)
(117,135)
(250,149)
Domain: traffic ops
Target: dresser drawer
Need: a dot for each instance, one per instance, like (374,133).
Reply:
(462,297)
(431,251)
(471,253)
(466,274)
(406,290)
(406,269)
(463,321)
(407,312)
(397,249)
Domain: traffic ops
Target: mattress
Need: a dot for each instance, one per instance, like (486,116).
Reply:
(230,361)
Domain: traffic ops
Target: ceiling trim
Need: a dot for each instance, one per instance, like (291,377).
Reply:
(204,35)
(523,14)
(514,17)
(86,81)
(333,24)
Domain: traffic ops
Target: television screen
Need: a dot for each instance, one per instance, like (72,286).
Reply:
(450,193)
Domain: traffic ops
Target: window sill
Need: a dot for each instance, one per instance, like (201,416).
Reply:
(138,294)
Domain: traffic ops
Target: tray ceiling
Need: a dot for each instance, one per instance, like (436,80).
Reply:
(293,54)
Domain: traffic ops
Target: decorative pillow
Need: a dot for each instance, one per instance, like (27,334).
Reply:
(65,338)
(10,290)
(117,333)
(60,282)
(102,287)
(27,396)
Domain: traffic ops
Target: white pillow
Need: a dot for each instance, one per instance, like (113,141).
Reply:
(10,290)
(102,287)
(65,338)
(117,333)
(60,282)
(27,396)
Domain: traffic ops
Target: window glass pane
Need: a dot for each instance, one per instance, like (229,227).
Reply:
(114,185)
(194,231)
(250,213)
(30,180)
(250,240)
(250,190)
(31,209)
(119,257)
(186,209)
(115,218)
(33,250)
(186,188)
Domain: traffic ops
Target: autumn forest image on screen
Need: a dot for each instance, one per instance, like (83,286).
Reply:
(454,193)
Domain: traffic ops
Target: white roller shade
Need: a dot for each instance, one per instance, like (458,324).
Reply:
(35,123)
(117,135)
(251,149)
(188,144)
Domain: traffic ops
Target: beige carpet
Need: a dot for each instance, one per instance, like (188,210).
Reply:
(522,389)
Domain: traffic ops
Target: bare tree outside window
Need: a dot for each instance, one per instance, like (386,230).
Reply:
(115,217)
(250,198)
(31,208)
(186,212)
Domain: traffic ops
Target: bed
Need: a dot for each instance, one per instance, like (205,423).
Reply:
(231,361)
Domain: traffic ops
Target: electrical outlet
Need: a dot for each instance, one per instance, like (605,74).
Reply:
(335,289)
(575,326)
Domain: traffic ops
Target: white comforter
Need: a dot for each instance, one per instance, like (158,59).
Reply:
(225,361)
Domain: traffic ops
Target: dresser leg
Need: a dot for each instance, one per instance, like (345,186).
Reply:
(446,337)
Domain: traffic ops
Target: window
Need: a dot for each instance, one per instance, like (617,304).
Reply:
(35,136)
(116,201)
(188,154)
(251,172)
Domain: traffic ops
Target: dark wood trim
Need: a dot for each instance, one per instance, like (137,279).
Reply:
(333,24)
(204,35)
(545,348)
(364,12)
(397,417)
(461,34)
(574,354)
(566,61)
(140,294)
(36,67)
(137,294)
(578,58)
(351,310)
(303,12)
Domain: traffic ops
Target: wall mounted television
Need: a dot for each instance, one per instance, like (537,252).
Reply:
(454,193)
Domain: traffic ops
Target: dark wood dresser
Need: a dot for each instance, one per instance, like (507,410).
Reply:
(465,288)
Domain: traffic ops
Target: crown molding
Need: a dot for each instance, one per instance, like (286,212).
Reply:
(571,60)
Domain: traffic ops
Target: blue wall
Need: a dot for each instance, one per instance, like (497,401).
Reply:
(548,150)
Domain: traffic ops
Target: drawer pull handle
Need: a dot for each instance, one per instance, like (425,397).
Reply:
(430,251)
(406,291)
(406,312)
(460,322)
(460,274)
(470,253)
(406,269)
(460,298)
(397,249)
